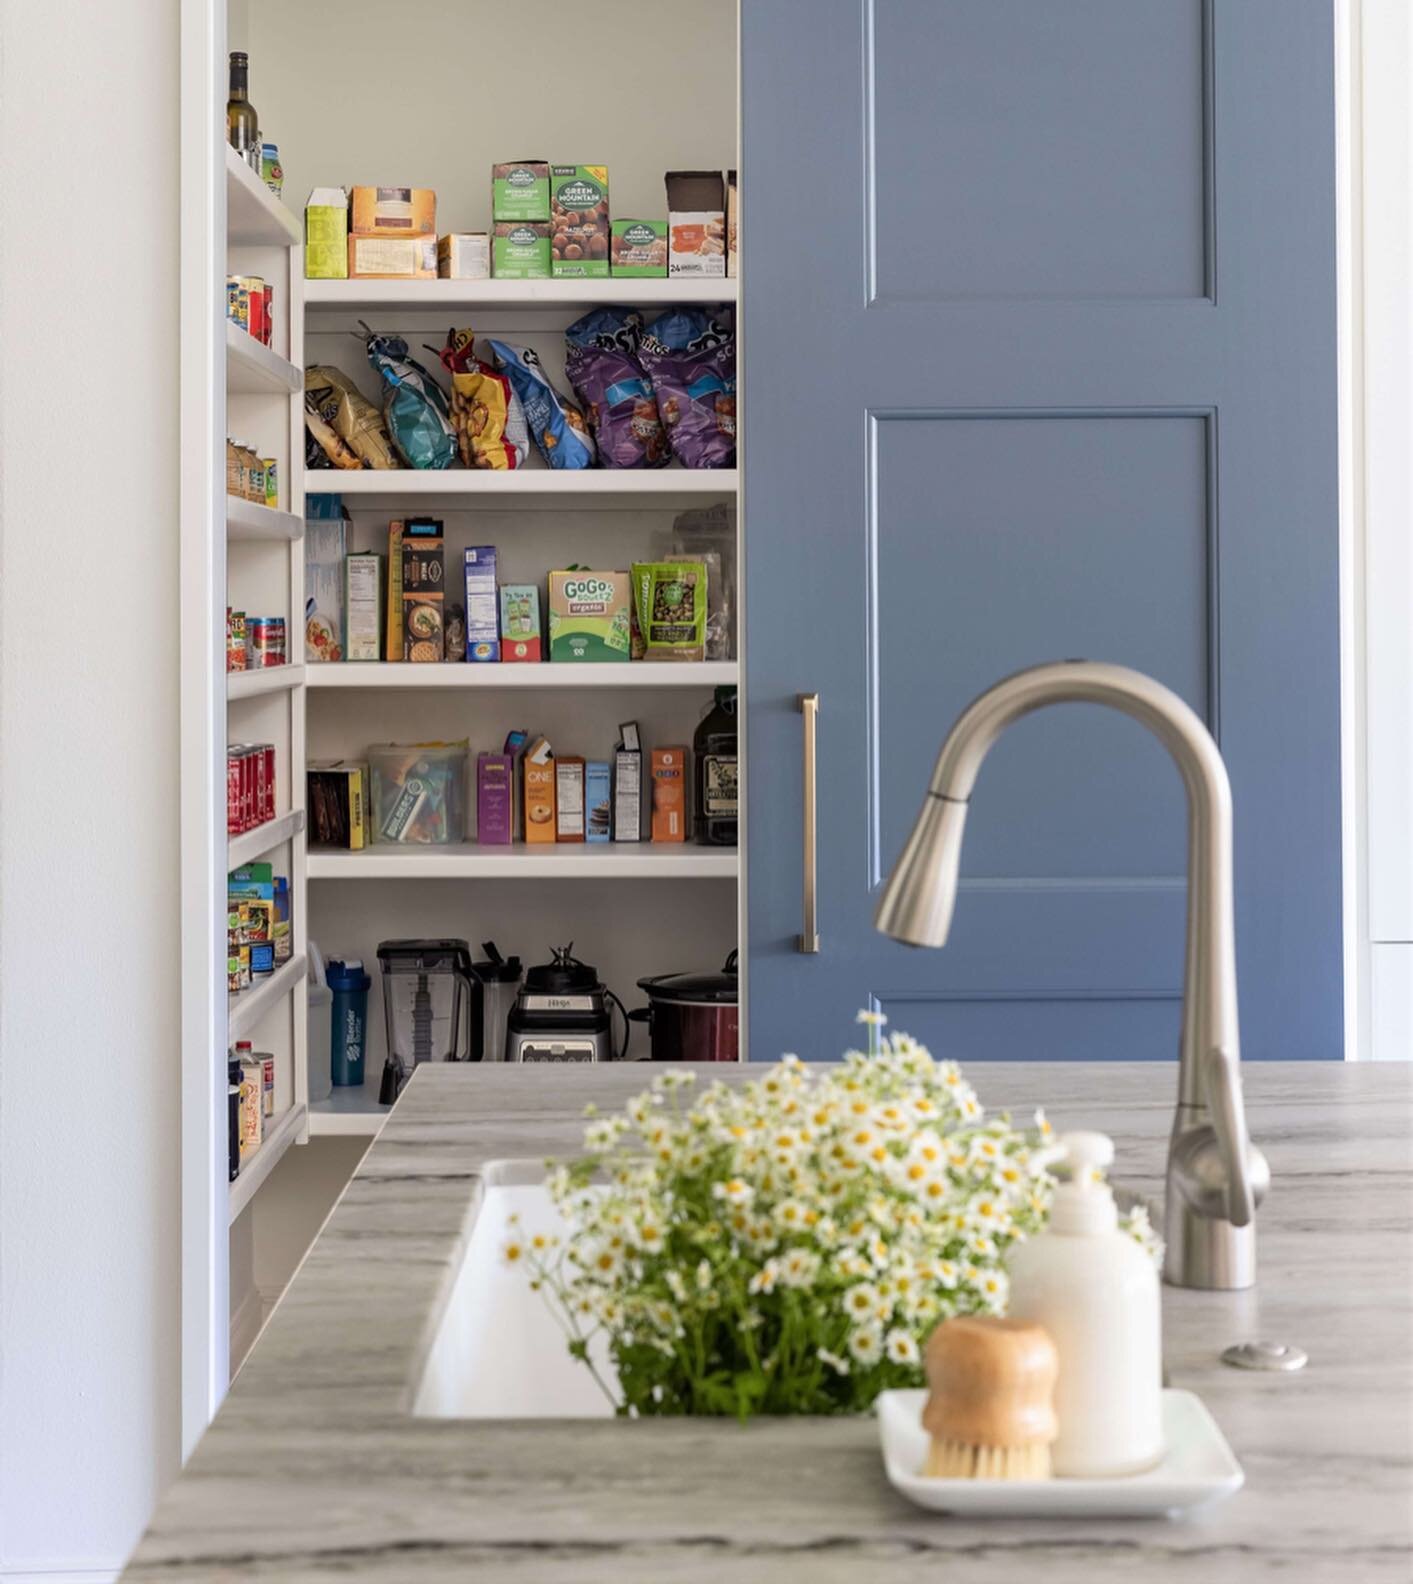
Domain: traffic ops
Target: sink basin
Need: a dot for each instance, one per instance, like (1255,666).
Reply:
(498,1351)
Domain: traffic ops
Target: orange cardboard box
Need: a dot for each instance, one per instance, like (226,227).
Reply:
(669,794)
(394,211)
(539,792)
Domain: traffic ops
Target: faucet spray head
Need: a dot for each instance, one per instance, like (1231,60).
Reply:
(917,901)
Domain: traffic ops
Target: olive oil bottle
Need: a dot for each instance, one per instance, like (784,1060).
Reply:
(715,757)
(242,124)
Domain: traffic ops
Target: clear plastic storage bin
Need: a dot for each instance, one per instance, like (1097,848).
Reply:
(418,793)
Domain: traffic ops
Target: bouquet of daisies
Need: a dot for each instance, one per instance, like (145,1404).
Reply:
(786,1246)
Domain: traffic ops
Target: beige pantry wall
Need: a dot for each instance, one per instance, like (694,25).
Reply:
(428,94)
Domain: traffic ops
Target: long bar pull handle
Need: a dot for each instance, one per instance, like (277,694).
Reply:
(808,704)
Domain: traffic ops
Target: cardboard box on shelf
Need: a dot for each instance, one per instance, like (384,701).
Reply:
(569,799)
(326,234)
(394,211)
(494,798)
(638,248)
(628,784)
(464,255)
(579,221)
(598,801)
(363,579)
(588,615)
(482,614)
(325,546)
(731,224)
(539,792)
(392,644)
(423,591)
(520,250)
(519,622)
(669,766)
(391,258)
(520,190)
(696,223)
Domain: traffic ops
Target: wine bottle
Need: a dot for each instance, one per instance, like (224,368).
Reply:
(242,124)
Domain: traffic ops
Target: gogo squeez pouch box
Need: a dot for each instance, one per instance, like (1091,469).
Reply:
(588,615)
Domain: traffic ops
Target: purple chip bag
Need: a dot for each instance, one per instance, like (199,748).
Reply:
(696,399)
(601,362)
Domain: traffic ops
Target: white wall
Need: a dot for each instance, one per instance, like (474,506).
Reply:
(1377,457)
(88,753)
(428,94)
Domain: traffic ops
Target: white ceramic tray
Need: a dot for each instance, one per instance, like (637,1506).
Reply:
(1198,1467)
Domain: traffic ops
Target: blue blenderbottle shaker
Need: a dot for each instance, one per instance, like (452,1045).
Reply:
(348,1023)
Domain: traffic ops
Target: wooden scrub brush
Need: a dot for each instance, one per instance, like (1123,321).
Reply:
(990,1409)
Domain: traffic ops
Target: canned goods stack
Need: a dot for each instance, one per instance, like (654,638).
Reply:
(250,786)
(254,643)
(250,304)
(251,476)
(258,937)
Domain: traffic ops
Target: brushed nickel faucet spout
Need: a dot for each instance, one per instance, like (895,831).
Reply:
(1215,1176)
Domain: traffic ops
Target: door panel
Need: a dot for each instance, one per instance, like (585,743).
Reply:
(1038,323)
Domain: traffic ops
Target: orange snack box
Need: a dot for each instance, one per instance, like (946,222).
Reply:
(395,212)
(669,794)
(539,792)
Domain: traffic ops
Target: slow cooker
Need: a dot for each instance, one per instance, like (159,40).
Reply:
(693,1017)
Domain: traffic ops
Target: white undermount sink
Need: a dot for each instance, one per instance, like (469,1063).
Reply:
(498,1352)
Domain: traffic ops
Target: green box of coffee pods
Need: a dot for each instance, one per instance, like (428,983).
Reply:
(520,190)
(579,220)
(638,247)
(520,250)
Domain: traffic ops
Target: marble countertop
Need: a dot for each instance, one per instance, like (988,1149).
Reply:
(315,1470)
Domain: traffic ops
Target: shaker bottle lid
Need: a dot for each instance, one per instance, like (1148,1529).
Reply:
(497,969)
(346,974)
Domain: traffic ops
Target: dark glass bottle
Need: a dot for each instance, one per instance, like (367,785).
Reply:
(715,774)
(242,124)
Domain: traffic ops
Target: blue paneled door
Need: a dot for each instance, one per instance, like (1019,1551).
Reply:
(1039,356)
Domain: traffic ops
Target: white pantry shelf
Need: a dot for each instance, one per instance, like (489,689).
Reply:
(280,1133)
(253,844)
(392,484)
(350,1112)
(248,522)
(550,674)
(246,1007)
(252,369)
(263,679)
(511,294)
(552,861)
(254,216)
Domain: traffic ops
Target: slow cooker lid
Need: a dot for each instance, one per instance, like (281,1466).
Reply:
(712,989)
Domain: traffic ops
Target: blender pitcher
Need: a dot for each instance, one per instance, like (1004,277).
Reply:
(429,991)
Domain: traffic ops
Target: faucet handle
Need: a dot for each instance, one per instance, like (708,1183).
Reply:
(1222,1086)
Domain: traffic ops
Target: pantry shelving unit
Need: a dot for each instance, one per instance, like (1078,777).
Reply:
(398,484)
(248,521)
(280,1132)
(518,861)
(254,844)
(268,679)
(378,674)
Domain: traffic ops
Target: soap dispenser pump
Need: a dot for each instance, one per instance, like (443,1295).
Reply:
(1095,1290)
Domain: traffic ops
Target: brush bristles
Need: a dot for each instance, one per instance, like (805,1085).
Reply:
(957,1460)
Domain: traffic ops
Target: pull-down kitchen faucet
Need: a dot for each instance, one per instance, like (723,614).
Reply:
(1215,1177)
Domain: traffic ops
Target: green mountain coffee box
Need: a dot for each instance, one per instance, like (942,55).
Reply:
(579,220)
(520,190)
(638,247)
(520,250)
(588,615)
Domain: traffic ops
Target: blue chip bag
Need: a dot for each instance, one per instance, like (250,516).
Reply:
(414,405)
(556,423)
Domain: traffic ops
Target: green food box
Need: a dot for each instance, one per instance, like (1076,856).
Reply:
(520,190)
(579,221)
(520,250)
(638,247)
(326,234)
(588,616)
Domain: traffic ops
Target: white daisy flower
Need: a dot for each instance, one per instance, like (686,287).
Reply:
(861,1301)
(799,1267)
(948,1273)
(765,1278)
(840,1366)
(734,1191)
(704,1275)
(901,1347)
(866,1344)
(870,1019)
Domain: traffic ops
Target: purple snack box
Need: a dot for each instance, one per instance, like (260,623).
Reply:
(494,798)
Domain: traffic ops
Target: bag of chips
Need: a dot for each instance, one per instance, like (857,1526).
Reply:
(556,423)
(696,398)
(601,362)
(485,411)
(330,395)
(415,406)
(692,329)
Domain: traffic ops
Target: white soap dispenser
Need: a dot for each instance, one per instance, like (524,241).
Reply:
(1095,1290)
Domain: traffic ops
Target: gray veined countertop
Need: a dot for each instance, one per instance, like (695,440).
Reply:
(314,1469)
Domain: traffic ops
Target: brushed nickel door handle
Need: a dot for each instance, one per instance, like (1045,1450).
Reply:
(808,705)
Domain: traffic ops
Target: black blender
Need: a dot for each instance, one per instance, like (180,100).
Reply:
(429,991)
